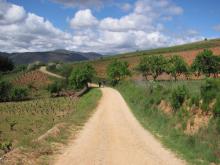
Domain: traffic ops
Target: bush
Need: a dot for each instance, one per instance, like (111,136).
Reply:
(178,97)
(55,87)
(195,99)
(6,146)
(20,68)
(19,93)
(5,91)
(210,90)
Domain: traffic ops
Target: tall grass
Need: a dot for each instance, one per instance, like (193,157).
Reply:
(201,148)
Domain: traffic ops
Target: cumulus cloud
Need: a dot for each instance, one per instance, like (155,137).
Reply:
(141,28)
(27,31)
(83,19)
(10,13)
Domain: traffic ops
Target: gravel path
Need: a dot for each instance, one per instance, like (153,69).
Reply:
(113,136)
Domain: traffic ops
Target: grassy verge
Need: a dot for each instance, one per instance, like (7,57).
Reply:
(34,118)
(201,148)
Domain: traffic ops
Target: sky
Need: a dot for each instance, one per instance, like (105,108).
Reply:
(105,26)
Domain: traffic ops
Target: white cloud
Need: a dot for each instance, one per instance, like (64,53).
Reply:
(27,31)
(83,19)
(141,28)
(10,13)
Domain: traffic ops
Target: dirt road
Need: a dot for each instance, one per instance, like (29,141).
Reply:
(44,70)
(113,136)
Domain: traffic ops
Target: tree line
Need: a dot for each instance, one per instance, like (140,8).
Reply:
(205,63)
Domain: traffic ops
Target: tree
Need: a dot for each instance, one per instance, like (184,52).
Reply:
(158,64)
(206,63)
(177,66)
(144,66)
(80,76)
(117,70)
(6,64)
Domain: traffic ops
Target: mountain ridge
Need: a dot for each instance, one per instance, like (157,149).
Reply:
(59,55)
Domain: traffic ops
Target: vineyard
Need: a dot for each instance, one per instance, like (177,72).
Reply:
(22,122)
(29,129)
(36,79)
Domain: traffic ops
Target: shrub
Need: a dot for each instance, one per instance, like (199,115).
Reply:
(6,146)
(195,99)
(55,87)
(5,90)
(209,90)
(20,68)
(178,97)
(19,93)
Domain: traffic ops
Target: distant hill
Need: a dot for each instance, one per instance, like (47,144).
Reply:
(51,56)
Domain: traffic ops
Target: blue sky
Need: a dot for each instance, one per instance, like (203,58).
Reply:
(105,26)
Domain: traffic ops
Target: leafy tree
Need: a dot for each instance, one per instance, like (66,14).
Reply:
(6,64)
(177,66)
(66,70)
(158,64)
(5,90)
(117,70)
(206,63)
(80,76)
(144,66)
